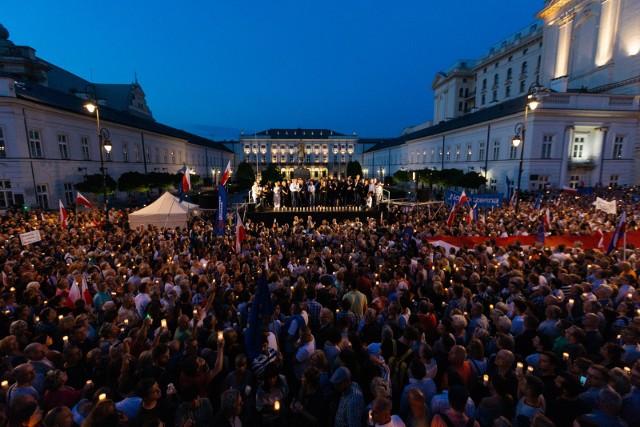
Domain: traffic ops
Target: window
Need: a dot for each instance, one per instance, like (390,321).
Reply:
(496,79)
(507,92)
(35,143)
(457,153)
(493,185)
(63,146)
(483,100)
(574,181)
(618,142)
(494,97)
(3,151)
(180,162)
(481,152)
(173,157)
(68,193)
(509,73)
(84,144)
(513,152)
(166,156)
(496,150)
(440,155)
(147,154)
(157,152)
(459,106)
(433,155)
(484,84)
(469,153)
(539,182)
(578,147)
(136,153)
(461,92)
(6,195)
(524,67)
(522,86)
(42,195)
(448,159)
(125,152)
(613,180)
(547,141)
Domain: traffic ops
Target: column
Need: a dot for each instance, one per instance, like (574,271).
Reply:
(607,31)
(564,47)
(564,161)
(600,162)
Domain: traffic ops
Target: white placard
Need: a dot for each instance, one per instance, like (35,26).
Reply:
(30,237)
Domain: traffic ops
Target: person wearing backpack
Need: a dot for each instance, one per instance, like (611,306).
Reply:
(398,353)
(455,417)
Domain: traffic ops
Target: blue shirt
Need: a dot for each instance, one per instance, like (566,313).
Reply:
(351,408)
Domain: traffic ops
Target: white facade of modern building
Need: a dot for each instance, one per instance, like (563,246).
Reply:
(49,142)
(585,131)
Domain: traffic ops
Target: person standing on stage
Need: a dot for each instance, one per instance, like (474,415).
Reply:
(302,193)
(311,190)
(293,188)
(323,193)
(285,194)
(255,192)
(276,195)
(378,193)
(372,190)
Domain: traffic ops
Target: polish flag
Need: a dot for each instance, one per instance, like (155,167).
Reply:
(86,294)
(452,216)
(186,180)
(471,215)
(227,173)
(83,200)
(600,235)
(241,234)
(74,295)
(463,199)
(569,190)
(64,216)
(547,220)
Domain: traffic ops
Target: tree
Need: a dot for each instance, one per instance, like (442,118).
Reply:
(402,176)
(271,174)
(133,182)
(245,176)
(473,180)
(160,180)
(354,168)
(93,184)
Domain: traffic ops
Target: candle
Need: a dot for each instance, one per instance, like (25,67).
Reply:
(627,369)
(4,384)
(276,405)
(60,317)
(37,318)
(520,365)
(195,312)
(89,382)
(65,339)
(126,321)
(629,295)
(485,378)
(220,336)
(102,397)
(12,289)
(571,301)
(530,368)
(565,356)
(490,306)
(163,323)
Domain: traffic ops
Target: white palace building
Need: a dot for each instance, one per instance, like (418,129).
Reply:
(580,62)
(49,141)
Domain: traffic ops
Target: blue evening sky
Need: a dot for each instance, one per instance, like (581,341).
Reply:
(215,67)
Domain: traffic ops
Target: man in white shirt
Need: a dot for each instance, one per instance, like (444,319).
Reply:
(311,188)
(255,192)
(294,188)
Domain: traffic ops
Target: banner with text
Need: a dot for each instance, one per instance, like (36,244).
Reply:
(490,200)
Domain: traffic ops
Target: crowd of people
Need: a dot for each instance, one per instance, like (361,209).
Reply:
(102,325)
(326,192)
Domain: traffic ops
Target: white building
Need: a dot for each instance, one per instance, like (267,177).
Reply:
(49,141)
(585,132)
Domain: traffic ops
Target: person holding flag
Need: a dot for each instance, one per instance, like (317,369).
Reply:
(64,216)
(241,233)
(620,232)
(454,206)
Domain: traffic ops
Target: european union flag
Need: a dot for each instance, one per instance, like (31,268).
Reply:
(261,311)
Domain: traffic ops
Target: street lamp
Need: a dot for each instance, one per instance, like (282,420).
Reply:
(247,150)
(335,158)
(520,130)
(104,142)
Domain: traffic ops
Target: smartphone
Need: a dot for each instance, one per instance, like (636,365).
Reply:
(583,380)
(148,316)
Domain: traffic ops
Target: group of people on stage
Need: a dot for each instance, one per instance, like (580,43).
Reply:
(330,191)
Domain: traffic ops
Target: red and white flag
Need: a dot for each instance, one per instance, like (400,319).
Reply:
(241,234)
(80,199)
(226,174)
(569,190)
(547,220)
(86,294)
(186,180)
(452,215)
(74,295)
(471,215)
(463,199)
(600,236)
(64,216)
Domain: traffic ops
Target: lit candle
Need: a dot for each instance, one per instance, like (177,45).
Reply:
(571,301)
(490,306)
(195,312)
(565,356)
(627,369)
(126,321)
(485,378)
(520,365)
(65,339)
(163,323)
(37,318)
(530,368)
(629,295)
(12,289)
(102,397)
(60,317)
(220,336)
(89,382)
(276,405)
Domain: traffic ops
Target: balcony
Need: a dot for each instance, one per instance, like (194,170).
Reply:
(585,164)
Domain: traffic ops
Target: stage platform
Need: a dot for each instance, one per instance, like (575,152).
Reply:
(318,215)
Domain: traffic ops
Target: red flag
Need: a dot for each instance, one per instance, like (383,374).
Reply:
(74,295)
(569,190)
(241,234)
(227,173)
(80,199)
(471,215)
(451,217)
(64,216)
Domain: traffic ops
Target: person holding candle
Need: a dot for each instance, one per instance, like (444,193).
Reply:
(272,397)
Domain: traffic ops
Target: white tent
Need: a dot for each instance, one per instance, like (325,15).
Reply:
(167,211)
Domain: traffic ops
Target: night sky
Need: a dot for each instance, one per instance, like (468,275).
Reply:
(216,67)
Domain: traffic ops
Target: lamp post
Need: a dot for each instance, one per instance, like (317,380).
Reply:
(335,158)
(520,131)
(104,143)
